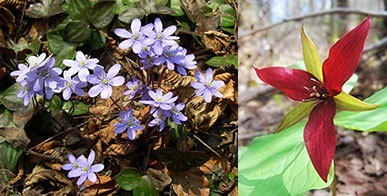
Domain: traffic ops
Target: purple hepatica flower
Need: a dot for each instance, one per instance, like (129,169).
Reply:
(128,123)
(81,65)
(160,117)
(72,85)
(136,38)
(171,55)
(207,86)
(145,52)
(176,113)
(27,92)
(188,63)
(160,100)
(83,167)
(134,86)
(104,82)
(45,75)
(162,37)
(34,62)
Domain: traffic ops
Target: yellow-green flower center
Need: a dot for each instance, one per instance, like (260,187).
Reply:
(168,54)
(134,87)
(86,168)
(159,100)
(145,48)
(83,63)
(76,165)
(105,81)
(159,36)
(69,84)
(135,36)
(208,84)
(130,123)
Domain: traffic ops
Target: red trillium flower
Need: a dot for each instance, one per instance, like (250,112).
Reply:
(320,93)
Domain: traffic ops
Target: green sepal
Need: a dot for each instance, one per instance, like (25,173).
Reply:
(347,102)
(312,61)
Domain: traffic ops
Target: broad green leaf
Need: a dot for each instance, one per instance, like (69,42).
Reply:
(45,9)
(228,30)
(228,15)
(311,58)
(55,104)
(35,46)
(97,39)
(128,14)
(218,61)
(9,100)
(348,86)
(66,53)
(175,5)
(296,114)
(8,155)
(129,179)
(373,120)
(76,32)
(78,9)
(178,132)
(102,14)
(279,164)
(6,118)
(56,42)
(79,108)
(347,102)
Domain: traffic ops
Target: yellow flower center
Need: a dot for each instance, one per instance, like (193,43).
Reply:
(105,81)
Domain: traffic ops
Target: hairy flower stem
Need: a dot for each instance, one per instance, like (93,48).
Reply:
(146,159)
(334,185)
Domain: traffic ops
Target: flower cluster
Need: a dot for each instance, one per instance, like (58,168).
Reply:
(156,46)
(83,168)
(39,77)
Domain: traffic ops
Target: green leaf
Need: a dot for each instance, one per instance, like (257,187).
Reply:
(78,9)
(228,15)
(129,179)
(218,61)
(373,120)
(76,32)
(6,118)
(143,8)
(56,42)
(66,53)
(175,5)
(97,39)
(102,14)
(177,131)
(8,155)
(45,9)
(9,100)
(35,46)
(55,104)
(278,164)
(79,108)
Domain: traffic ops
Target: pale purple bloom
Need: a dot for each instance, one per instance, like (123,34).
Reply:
(81,65)
(171,55)
(206,86)
(145,52)
(159,118)
(128,123)
(34,62)
(162,37)
(104,82)
(83,167)
(135,39)
(160,100)
(134,86)
(72,85)
(176,113)
(188,63)
(27,92)
(45,75)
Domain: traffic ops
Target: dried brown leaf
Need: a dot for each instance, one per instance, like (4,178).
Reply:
(215,160)
(105,186)
(15,136)
(158,178)
(46,179)
(191,182)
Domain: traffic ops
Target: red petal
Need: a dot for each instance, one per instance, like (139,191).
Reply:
(291,81)
(319,136)
(344,57)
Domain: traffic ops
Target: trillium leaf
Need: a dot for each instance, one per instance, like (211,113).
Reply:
(312,61)
(295,115)
(347,102)
(373,120)
(278,164)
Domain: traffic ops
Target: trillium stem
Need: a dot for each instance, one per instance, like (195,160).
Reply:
(334,185)
(115,103)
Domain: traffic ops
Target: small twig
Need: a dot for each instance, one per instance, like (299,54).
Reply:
(115,103)
(99,184)
(21,20)
(332,11)
(206,145)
